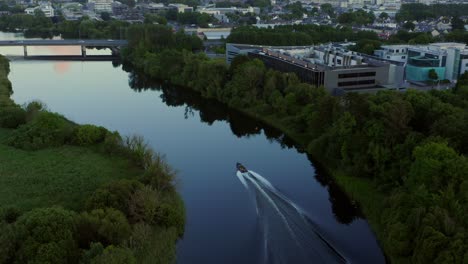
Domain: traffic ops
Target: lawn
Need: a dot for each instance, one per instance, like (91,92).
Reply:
(57,176)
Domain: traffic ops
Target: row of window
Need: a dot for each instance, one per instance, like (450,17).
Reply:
(352,83)
(355,75)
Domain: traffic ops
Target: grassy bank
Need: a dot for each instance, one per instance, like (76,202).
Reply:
(73,193)
(65,176)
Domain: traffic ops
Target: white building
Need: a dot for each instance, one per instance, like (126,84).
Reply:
(100,6)
(393,52)
(449,60)
(227,10)
(46,8)
(181,8)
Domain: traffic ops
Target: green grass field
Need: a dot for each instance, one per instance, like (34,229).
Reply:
(57,176)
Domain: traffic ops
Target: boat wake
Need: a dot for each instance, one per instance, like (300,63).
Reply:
(289,236)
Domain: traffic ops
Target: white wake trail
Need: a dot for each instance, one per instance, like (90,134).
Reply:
(289,235)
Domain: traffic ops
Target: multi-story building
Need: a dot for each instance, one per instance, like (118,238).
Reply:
(449,60)
(181,8)
(333,67)
(393,53)
(46,8)
(100,6)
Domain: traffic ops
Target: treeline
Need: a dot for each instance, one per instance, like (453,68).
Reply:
(366,41)
(418,12)
(359,17)
(410,147)
(136,220)
(38,25)
(296,35)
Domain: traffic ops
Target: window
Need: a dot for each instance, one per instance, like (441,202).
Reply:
(397,50)
(338,61)
(403,57)
(351,83)
(356,74)
(388,57)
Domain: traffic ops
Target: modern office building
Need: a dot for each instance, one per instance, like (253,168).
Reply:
(393,52)
(333,67)
(449,60)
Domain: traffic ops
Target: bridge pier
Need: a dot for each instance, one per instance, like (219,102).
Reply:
(25,49)
(83,51)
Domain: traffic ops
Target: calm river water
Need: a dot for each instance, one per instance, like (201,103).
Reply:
(203,140)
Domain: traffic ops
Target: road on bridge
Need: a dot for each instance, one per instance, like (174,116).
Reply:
(66,42)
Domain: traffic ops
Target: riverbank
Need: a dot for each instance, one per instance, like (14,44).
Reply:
(360,190)
(390,151)
(80,193)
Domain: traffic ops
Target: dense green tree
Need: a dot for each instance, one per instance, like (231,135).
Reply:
(105,16)
(457,23)
(383,16)
(47,236)
(107,226)
(328,9)
(432,74)
(409,25)
(117,255)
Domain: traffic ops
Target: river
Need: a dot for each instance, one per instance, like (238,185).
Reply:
(203,140)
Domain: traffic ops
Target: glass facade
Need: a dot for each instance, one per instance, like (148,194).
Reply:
(416,73)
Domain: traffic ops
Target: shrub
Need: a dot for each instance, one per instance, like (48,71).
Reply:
(46,236)
(153,245)
(144,205)
(115,255)
(113,143)
(147,205)
(9,214)
(171,213)
(89,135)
(114,195)
(8,242)
(139,151)
(12,117)
(46,130)
(94,250)
(108,226)
(159,174)
(33,109)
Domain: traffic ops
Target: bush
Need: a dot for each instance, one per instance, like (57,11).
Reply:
(149,206)
(94,250)
(12,117)
(153,245)
(159,174)
(8,243)
(46,130)
(144,205)
(113,143)
(89,135)
(115,255)
(47,236)
(108,226)
(171,213)
(139,151)
(9,214)
(114,195)
(33,109)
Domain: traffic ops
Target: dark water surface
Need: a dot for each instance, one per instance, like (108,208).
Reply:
(203,140)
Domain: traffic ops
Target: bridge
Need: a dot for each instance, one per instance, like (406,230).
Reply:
(114,45)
